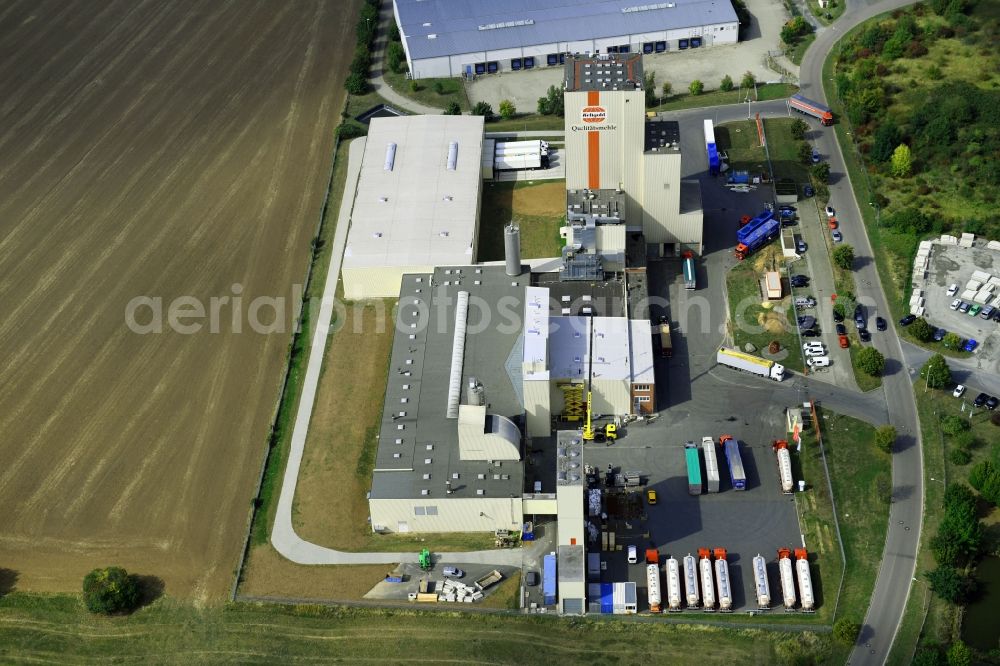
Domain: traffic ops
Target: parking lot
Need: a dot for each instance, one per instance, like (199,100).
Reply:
(953,264)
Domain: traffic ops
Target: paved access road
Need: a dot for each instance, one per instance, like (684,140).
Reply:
(967,371)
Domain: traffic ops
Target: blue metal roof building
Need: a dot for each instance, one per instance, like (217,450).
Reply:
(458,37)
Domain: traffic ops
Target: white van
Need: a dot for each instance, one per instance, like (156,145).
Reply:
(814,352)
(818,361)
(633,555)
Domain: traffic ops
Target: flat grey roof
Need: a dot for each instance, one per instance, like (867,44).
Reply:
(468,26)
(606,298)
(606,203)
(419,371)
(620,70)
(662,134)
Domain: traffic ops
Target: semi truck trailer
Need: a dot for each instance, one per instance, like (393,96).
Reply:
(784,458)
(520,162)
(673,575)
(711,465)
(521,147)
(690,279)
(731,448)
(691,582)
(712,151)
(761,586)
(759,236)
(707,583)
(805,581)
(811,108)
(693,468)
(653,587)
(722,576)
(755,365)
(666,343)
(787,579)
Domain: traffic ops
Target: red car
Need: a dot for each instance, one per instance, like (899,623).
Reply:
(832,222)
(844,342)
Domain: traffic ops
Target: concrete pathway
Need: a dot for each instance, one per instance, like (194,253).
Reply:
(283,536)
(378,84)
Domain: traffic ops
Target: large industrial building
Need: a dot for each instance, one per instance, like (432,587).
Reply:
(612,145)
(445,38)
(417,201)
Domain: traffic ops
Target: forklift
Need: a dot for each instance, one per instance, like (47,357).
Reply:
(425,560)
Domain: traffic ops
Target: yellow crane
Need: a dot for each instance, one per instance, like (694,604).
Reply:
(607,433)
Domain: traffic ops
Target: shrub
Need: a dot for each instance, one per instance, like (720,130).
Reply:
(726,84)
(356,84)
(507,109)
(110,591)
(921,330)
(349,130)
(799,129)
(453,109)
(960,457)
(959,654)
(843,257)
(821,172)
(748,80)
(936,372)
(871,361)
(952,424)
(395,57)
(846,631)
(902,161)
(696,87)
(482,109)
(438,87)
(666,88)
(885,436)
(649,88)
(949,584)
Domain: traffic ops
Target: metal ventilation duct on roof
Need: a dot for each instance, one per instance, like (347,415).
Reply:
(390,156)
(452,155)
(457,354)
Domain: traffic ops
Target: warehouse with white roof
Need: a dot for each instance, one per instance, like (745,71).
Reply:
(445,38)
(417,202)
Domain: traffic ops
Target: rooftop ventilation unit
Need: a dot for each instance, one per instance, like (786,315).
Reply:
(452,155)
(390,156)
(457,354)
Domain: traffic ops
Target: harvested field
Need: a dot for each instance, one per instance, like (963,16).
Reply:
(162,150)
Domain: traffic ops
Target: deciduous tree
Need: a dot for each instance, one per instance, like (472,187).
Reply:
(110,590)
(902,162)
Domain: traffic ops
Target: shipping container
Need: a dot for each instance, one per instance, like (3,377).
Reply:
(711,465)
(594,566)
(693,468)
(549,580)
(607,598)
(731,447)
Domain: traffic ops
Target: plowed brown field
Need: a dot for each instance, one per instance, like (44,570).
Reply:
(163,149)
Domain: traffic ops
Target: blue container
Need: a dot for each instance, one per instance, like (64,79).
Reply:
(607,598)
(549,580)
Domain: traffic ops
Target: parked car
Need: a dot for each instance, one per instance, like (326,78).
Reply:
(807,345)
(959,390)
(980,400)
(808,191)
(837,236)
(952,290)
(907,320)
(800,246)
(841,329)
(987,312)
(799,281)
(806,321)
(955,304)
(815,156)
(974,309)
(838,316)
(939,334)
(805,302)
(453,572)
(880,324)
(843,341)
(633,554)
(818,361)
(970,345)
(964,307)
(651,497)
(859,316)
(531,578)
(832,223)
(811,333)
(865,335)
(830,212)
(992,402)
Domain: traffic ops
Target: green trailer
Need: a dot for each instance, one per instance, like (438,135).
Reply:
(693,468)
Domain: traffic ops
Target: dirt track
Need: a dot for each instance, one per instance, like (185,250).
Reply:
(160,149)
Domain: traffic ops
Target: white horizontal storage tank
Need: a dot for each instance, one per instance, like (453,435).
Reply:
(760,579)
(711,464)
(691,581)
(787,579)
(673,585)
(653,587)
(707,583)
(805,584)
(725,589)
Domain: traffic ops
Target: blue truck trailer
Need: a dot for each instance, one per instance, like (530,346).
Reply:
(757,233)
(714,164)
(549,579)
(731,447)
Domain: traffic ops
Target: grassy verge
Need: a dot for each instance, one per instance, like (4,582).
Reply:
(765,92)
(539,207)
(829,14)
(507,596)
(438,93)
(756,321)
(783,149)
(796,52)
(526,123)
(38,628)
